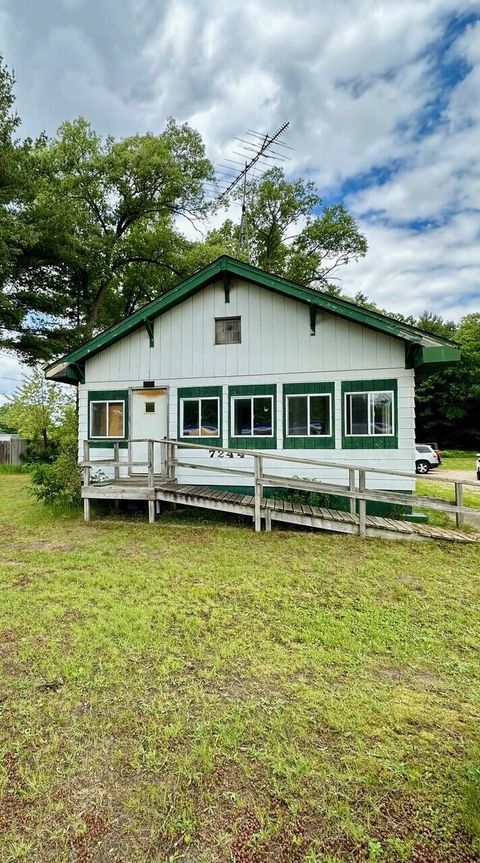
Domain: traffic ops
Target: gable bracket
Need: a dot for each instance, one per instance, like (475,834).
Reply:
(226,285)
(80,370)
(149,329)
(313,318)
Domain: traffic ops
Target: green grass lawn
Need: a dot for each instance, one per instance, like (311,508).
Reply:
(455,459)
(190,691)
(446,491)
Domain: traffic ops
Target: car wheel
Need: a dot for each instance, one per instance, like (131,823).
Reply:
(478,475)
(422,466)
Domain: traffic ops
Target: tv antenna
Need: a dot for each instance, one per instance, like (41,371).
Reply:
(257,151)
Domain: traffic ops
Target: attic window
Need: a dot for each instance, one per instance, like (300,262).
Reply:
(228,331)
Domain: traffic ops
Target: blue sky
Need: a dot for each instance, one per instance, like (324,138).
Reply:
(382,99)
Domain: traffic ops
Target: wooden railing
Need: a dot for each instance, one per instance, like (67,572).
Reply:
(355,489)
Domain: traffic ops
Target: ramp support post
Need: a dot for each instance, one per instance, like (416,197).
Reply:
(258,472)
(362,505)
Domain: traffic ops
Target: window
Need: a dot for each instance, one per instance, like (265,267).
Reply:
(253,415)
(149,407)
(228,331)
(369,413)
(107,419)
(200,417)
(309,415)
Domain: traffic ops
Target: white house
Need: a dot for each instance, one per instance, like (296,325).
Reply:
(239,358)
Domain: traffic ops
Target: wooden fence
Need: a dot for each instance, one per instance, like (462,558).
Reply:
(11,450)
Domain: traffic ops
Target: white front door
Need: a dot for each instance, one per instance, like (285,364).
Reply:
(149,419)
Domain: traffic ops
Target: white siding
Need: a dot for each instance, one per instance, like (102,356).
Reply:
(276,347)
(275,340)
(399,459)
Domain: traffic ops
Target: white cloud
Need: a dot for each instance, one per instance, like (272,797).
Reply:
(352,76)
(10,375)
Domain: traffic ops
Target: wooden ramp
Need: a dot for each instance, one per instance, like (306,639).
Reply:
(313,517)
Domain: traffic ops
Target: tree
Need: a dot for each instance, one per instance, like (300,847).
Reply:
(6,424)
(38,409)
(291,233)
(448,402)
(103,232)
(433,323)
(15,186)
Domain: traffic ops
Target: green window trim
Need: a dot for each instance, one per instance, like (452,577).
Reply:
(252,441)
(200,393)
(370,441)
(109,396)
(310,441)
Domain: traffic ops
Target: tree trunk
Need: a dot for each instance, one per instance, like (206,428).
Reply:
(96,306)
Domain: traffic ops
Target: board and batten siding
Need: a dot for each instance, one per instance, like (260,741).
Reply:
(276,348)
(275,340)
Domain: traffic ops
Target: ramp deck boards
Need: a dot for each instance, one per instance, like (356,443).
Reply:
(312,517)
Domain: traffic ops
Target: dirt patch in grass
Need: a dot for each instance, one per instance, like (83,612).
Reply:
(87,845)
(412,581)
(412,677)
(46,545)
(417,828)
(13,808)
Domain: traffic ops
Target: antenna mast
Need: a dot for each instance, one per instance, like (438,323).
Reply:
(261,146)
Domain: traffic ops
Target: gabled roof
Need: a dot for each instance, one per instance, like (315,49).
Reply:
(423,349)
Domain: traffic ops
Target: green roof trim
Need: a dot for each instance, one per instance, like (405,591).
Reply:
(69,368)
(429,357)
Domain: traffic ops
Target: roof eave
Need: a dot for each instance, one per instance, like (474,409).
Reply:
(432,358)
(357,314)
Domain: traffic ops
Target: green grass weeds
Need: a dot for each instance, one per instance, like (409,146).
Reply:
(190,691)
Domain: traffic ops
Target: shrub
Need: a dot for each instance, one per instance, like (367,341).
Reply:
(60,480)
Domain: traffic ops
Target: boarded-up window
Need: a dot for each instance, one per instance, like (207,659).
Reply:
(228,331)
(107,419)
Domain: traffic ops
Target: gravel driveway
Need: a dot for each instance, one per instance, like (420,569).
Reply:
(466,475)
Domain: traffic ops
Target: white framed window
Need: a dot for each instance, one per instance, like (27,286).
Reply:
(200,417)
(309,415)
(252,416)
(228,331)
(369,413)
(107,419)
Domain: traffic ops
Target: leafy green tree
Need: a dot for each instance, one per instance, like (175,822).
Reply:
(448,402)
(15,186)
(291,233)
(433,323)
(38,409)
(104,222)
(6,423)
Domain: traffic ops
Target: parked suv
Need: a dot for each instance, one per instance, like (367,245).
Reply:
(435,447)
(478,465)
(425,458)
